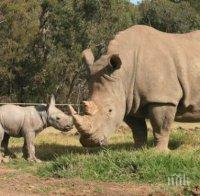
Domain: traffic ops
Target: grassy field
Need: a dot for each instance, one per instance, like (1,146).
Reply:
(63,157)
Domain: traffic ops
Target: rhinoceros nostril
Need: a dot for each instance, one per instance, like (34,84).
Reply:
(103,142)
(69,126)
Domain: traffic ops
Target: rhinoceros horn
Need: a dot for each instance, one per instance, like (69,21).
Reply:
(83,123)
(90,107)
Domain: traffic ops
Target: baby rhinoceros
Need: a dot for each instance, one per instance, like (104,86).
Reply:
(27,122)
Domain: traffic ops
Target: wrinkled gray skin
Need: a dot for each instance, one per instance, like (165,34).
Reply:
(27,122)
(145,74)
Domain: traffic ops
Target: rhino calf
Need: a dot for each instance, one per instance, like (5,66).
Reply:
(27,122)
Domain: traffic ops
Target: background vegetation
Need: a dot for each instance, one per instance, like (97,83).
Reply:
(41,41)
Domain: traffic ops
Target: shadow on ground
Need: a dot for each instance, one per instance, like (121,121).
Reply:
(48,152)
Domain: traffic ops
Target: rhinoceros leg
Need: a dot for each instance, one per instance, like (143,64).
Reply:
(161,117)
(1,139)
(29,147)
(4,145)
(139,129)
(25,150)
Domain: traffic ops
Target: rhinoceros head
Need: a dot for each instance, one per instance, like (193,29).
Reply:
(58,119)
(106,108)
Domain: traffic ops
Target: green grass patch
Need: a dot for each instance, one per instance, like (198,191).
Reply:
(64,157)
(146,166)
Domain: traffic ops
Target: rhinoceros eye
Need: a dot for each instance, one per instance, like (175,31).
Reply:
(110,110)
(57,118)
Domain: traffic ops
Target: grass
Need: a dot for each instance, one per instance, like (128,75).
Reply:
(141,167)
(64,158)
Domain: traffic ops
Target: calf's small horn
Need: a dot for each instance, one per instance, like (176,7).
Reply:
(72,111)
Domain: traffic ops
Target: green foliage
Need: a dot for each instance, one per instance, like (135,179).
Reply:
(72,27)
(194,3)
(17,35)
(168,16)
(41,41)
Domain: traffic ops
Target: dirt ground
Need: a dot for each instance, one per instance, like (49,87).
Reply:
(15,182)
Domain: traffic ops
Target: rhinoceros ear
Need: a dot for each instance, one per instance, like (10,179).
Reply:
(115,61)
(88,57)
(52,101)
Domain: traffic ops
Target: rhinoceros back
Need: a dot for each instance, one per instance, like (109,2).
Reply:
(166,67)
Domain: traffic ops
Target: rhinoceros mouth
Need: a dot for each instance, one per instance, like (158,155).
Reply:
(88,141)
(112,79)
(67,128)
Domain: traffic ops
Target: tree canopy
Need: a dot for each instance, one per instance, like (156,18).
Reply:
(41,41)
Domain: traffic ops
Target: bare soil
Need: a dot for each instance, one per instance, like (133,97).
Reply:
(16,182)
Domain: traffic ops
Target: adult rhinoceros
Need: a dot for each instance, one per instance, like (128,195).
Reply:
(144,74)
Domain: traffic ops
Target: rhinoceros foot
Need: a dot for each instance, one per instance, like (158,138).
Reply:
(34,160)
(6,159)
(13,156)
(161,149)
(10,154)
